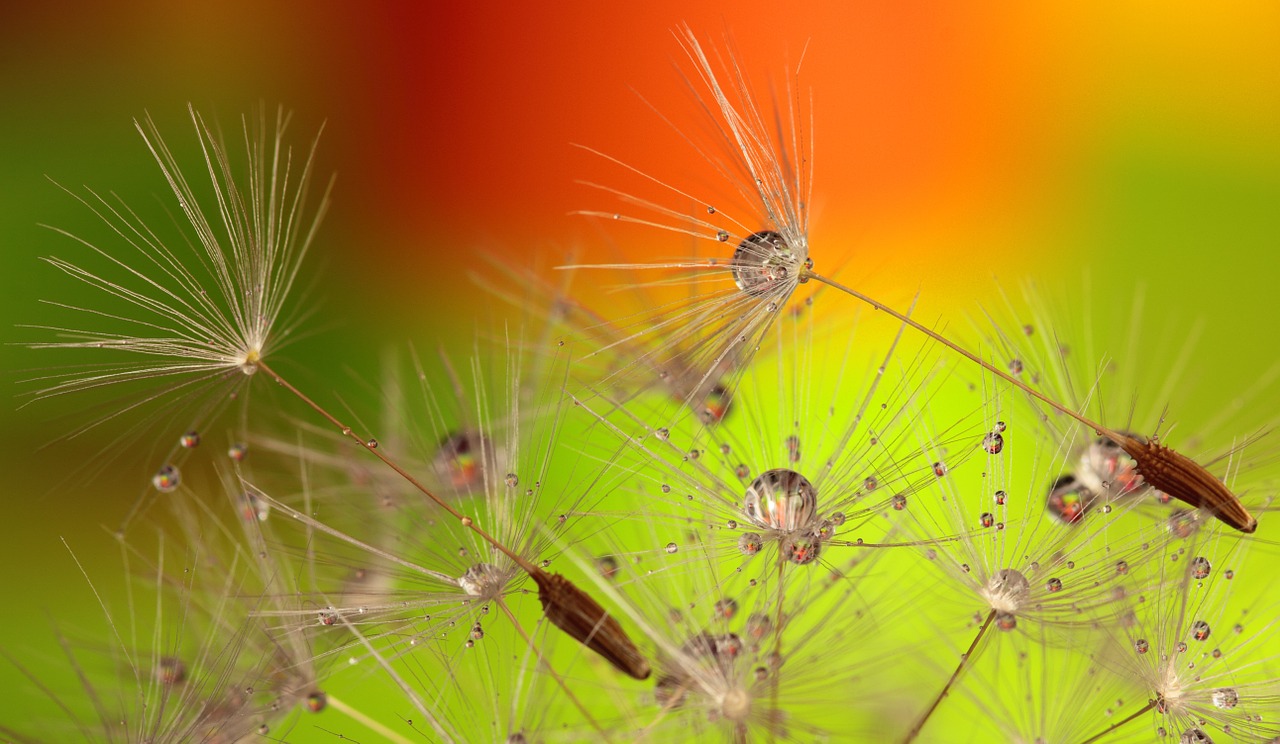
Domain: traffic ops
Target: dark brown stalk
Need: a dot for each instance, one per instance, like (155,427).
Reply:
(1165,470)
(565,605)
(964,661)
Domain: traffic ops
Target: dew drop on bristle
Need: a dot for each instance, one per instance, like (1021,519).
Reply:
(607,565)
(1122,567)
(987,519)
(715,405)
(238,451)
(167,479)
(190,440)
(1053,585)
(993,443)
(1068,499)
(750,543)
(762,261)
(662,434)
(512,480)
(870,484)
(781,499)
(1141,646)
(1200,630)
(1015,367)
(253,507)
(742,471)
(671,547)
(899,502)
(723,237)
(457,462)
(1200,567)
(759,625)
(171,671)
(317,701)
(1194,736)
(939,469)
(1006,621)
(371,443)
(1000,498)
(802,549)
(726,608)
(1226,698)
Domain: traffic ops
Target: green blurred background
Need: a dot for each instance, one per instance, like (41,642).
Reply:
(956,151)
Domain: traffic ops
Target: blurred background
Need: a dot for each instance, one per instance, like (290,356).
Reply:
(956,151)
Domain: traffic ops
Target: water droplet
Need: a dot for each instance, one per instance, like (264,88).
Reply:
(711,209)
(317,701)
(782,500)
(481,579)
(1194,736)
(665,488)
(715,406)
(993,443)
(1006,590)
(722,235)
(167,479)
(1226,698)
(742,471)
(761,261)
(512,480)
(837,519)
(987,519)
(802,549)
(1006,621)
(190,440)
(1000,427)
(171,671)
(1200,630)
(726,607)
(939,469)
(671,547)
(1015,367)
(254,507)
(662,434)
(1181,647)
(477,631)
(1122,567)
(1141,646)
(1228,574)
(1200,567)
(750,543)
(870,484)
(899,501)
(607,565)
(1001,497)
(1053,585)
(238,451)
(458,460)
(758,625)
(1068,499)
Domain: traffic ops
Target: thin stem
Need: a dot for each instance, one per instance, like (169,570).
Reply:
(777,647)
(988,366)
(547,666)
(372,447)
(368,722)
(964,661)
(1134,716)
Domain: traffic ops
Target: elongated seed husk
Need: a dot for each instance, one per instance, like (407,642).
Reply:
(574,611)
(1186,480)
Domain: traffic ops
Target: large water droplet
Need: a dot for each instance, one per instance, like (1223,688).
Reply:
(781,499)
(317,701)
(190,440)
(1200,630)
(1194,736)
(750,543)
(1200,567)
(993,443)
(762,261)
(1006,590)
(481,579)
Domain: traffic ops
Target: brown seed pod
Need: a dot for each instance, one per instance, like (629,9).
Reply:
(1186,480)
(574,611)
